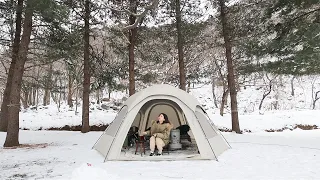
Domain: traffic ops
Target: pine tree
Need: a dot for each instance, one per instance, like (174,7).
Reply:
(86,69)
(15,50)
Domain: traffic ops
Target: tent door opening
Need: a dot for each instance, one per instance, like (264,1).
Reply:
(150,111)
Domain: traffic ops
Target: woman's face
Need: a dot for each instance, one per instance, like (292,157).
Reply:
(161,118)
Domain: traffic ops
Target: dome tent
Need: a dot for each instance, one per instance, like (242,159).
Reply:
(182,108)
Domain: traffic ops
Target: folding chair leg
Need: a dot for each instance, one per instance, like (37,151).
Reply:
(141,148)
(136,148)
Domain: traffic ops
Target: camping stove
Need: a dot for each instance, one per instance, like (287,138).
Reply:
(175,139)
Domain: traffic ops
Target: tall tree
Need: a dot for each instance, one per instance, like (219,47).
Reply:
(12,138)
(230,67)
(14,56)
(132,40)
(182,74)
(86,69)
(47,85)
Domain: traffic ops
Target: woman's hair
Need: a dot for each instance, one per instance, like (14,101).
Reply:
(166,120)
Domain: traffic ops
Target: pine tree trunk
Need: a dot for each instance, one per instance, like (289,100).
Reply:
(12,138)
(15,51)
(132,39)
(86,71)
(70,80)
(182,74)
(12,18)
(231,76)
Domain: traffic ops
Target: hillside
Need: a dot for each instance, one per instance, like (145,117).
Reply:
(291,110)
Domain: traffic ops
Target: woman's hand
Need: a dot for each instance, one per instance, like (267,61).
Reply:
(144,133)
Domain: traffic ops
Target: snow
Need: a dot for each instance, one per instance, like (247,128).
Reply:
(51,116)
(282,155)
(272,120)
(290,111)
(291,154)
(255,122)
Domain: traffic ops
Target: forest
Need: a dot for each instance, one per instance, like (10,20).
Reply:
(79,52)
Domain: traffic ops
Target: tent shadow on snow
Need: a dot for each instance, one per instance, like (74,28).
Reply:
(182,108)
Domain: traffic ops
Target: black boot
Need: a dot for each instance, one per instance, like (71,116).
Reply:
(151,154)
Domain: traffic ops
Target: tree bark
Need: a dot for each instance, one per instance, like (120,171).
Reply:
(12,13)
(231,76)
(292,86)
(12,138)
(132,40)
(98,96)
(60,93)
(86,70)
(15,51)
(25,97)
(46,97)
(213,85)
(30,95)
(70,80)
(34,95)
(182,74)
(223,100)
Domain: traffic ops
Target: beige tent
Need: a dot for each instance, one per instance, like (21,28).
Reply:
(181,108)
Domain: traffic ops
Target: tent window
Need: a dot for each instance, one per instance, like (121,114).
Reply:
(115,125)
(206,126)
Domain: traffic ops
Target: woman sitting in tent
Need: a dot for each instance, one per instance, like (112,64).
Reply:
(160,133)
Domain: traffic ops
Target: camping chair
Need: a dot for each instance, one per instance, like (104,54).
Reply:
(140,142)
(166,148)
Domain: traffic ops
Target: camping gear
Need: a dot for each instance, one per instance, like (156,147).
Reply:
(182,108)
(175,139)
(184,129)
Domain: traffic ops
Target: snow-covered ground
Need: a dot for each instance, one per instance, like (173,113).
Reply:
(68,155)
(50,116)
(255,122)
(290,111)
(258,155)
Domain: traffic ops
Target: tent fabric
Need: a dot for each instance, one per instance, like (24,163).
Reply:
(144,106)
